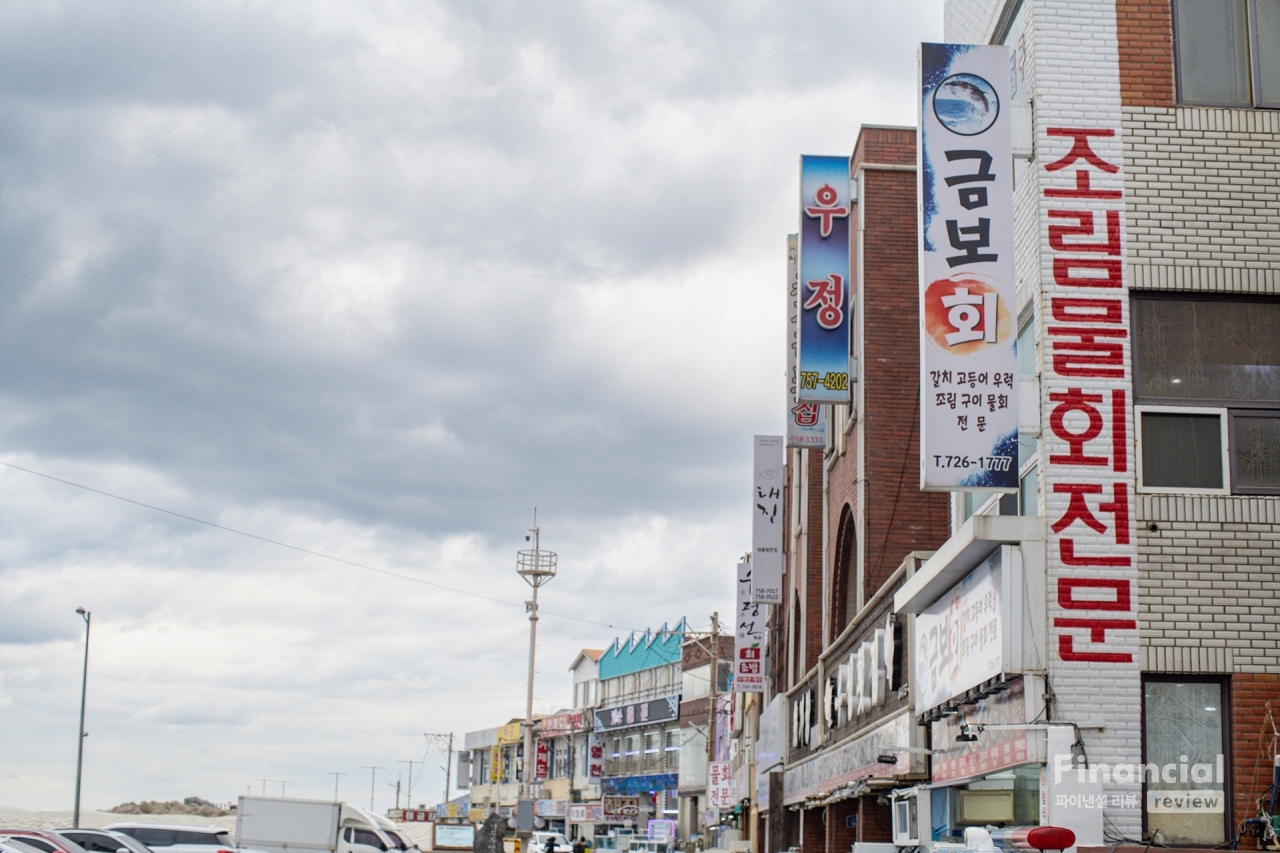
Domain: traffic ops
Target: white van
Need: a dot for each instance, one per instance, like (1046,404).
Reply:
(279,825)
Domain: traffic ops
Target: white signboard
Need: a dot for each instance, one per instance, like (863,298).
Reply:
(959,638)
(450,836)
(806,422)
(767,521)
(749,634)
(720,793)
(968,381)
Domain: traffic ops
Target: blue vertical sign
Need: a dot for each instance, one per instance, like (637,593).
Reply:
(824,280)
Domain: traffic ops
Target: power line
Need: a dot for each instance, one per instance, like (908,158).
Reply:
(297,548)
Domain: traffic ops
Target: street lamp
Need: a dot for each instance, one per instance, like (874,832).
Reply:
(84,684)
(536,567)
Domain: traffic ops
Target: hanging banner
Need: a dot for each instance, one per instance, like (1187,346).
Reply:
(720,793)
(806,422)
(767,521)
(968,368)
(595,756)
(542,759)
(748,651)
(824,280)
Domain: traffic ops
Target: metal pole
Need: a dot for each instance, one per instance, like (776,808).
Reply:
(715,676)
(84,686)
(335,776)
(528,705)
(409,792)
(448,762)
(373,775)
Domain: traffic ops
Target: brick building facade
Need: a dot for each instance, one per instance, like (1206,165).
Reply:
(1145,538)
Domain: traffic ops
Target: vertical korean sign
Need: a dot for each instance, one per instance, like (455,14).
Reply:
(748,647)
(767,521)
(806,422)
(968,368)
(824,280)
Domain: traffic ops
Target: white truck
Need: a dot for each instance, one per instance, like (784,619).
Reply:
(279,825)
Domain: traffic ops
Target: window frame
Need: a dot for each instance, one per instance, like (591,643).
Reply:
(1223,438)
(1232,413)
(1255,74)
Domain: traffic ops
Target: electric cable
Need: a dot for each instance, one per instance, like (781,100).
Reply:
(299,548)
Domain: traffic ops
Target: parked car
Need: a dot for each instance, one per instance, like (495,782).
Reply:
(45,842)
(10,845)
(538,842)
(177,838)
(104,841)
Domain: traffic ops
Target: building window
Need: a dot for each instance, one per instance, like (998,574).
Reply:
(1255,456)
(1228,52)
(1207,375)
(1182,449)
(1184,737)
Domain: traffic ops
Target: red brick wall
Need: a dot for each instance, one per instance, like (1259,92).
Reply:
(813,563)
(898,517)
(813,834)
(1144,29)
(1251,757)
(875,821)
(840,837)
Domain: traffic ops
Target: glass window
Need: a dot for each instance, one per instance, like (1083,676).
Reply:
(1200,349)
(153,837)
(364,836)
(37,843)
(1181,450)
(1183,734)
(1213,51)
(1026,348)
(1029,492)
(1267,41)
(1255,451)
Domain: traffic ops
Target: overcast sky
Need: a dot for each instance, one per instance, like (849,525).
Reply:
(376,279)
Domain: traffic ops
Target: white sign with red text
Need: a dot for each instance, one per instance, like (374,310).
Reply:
(749,634)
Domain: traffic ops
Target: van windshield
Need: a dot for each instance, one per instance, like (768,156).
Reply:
(399,842)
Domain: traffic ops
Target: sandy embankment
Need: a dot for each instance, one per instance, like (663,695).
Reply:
(22,819)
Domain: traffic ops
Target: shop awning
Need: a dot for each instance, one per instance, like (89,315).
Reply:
(967,547)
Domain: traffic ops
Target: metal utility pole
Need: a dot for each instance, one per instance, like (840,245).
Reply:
(448,762)
(373,776)
(436,740)
(264,785)
(84,686)
(715,676)
(536,567)
(335,776)
(409,791)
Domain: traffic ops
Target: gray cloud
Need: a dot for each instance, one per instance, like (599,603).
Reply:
(377,279)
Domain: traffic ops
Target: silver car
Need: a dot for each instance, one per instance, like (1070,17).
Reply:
(177,838)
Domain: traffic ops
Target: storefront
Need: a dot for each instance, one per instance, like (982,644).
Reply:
(979,682)
(641,759)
